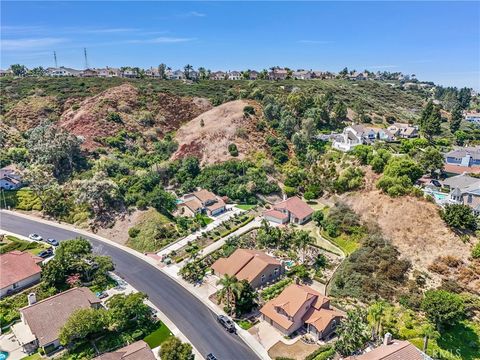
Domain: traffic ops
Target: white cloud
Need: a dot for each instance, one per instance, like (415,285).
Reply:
(27,44)
(161,40)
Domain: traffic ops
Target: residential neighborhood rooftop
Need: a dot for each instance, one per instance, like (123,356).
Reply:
(136,351)
(45,318)
(396,350)
(16,266)
(244,264)
(296,206)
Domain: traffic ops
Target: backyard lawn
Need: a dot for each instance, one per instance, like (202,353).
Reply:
(35,356)
(11,243)
(347,243)
(245,207)
(157,337)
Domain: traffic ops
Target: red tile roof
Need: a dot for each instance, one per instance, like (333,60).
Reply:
(16,266)
(457,169)
(136,351)
(296,206)
(276,214)
(397,350)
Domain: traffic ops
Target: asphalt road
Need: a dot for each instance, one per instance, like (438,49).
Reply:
(189,314)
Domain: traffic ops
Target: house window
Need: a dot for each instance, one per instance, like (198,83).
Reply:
(470,198)
(263,278)
(275,271)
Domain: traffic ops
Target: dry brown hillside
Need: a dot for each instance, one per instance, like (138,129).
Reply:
(31,111)
(208,135)
(156,115)
(415,228)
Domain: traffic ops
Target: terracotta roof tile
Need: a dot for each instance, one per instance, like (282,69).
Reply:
(397,350)
(296,206)
(16,266)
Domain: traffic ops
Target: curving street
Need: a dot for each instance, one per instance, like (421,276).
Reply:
(190,315)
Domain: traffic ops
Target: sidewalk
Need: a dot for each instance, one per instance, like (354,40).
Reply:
(182,242)
(247,337)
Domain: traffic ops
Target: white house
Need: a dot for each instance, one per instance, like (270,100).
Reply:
(302,75)
(218,75)
(473,117)
(234,75)
(10,178)
(176,75)
(403,130)
(358,134)
(63,71)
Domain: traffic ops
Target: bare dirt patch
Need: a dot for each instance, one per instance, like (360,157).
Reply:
(119,232)
(155,114)
(414,226)
(298,350)
(208,135)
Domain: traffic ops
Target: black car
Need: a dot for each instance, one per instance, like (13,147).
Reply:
(52,242)
(228,324)
(46,253)
(211,357)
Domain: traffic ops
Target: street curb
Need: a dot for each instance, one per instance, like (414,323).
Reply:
(140,256)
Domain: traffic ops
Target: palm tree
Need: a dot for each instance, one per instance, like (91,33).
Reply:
(302,241)
(230,291)
(375,315)
(429,332)
(186,71)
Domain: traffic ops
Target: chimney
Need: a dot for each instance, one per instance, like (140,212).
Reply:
(387,339)
(32,299)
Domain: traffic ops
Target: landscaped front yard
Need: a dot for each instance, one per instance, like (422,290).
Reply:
(11,243)
(157,337)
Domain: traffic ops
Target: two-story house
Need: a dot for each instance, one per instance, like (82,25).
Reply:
(201,201)
(463,159)
(300,306)
(292,210)
(402,130)
(355,135)
(254,266)
(464,190)
(10,178)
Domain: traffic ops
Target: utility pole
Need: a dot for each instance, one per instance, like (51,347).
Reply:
(86,60)
(55,59)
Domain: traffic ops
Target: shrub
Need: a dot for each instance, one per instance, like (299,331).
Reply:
(476,251)
(249,110)
(459,217)
(133,232)
(232,149)
(114,117)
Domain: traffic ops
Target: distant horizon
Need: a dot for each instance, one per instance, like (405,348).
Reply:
(401,37)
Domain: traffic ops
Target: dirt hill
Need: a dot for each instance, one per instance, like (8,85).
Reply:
(415,228)
(31,111)
(209,135)
(92,118)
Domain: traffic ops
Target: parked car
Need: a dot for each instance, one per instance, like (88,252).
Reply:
(101,294)
(228,324)
(46,253)
(35,237)
(53,242)
(211,357)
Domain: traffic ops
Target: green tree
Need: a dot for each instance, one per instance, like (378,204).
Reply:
(376,311)
(246,300)
(83,324)
(38,71)
(459,217)
(443,308)
(318,217)
(128,311)
(40,179)
(161,200)
(231,289)
(403,166)
(352,332)
(430,121)
(455,119)
(187,71)
(431,160)
(162,71)
(302,241)
(49,144)
(99,193)
(232,149)
(18,70)
(174,349)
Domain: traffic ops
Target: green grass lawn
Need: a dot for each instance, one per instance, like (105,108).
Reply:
(346,243)
(157,337)
(245,207)
(12,243)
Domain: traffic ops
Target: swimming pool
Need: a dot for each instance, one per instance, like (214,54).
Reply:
(3,355)
(439,196)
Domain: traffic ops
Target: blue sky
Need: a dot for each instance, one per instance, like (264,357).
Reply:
(438,41)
